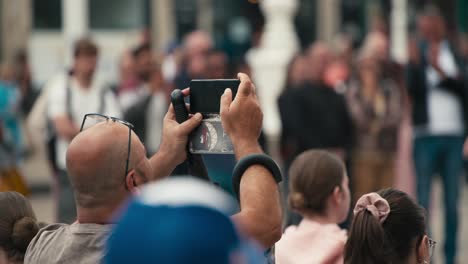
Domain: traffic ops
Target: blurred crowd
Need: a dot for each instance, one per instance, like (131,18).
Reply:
(350,99)
(358,103)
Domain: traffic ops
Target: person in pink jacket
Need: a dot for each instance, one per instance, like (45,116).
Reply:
(319,192)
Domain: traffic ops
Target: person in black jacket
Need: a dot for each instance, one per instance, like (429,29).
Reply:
(439,102)
(148,113)
(323,118)
(314,115)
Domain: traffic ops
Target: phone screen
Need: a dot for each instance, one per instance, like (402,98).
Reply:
(205,95)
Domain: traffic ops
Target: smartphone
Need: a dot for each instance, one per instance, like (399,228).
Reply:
(205,97)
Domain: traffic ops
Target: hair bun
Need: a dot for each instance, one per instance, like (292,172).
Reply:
(296,200)
(24,231)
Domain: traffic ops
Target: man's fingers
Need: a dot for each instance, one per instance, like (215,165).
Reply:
(170,113)
(226,100)
(186,92)
(245,86)
(190,124)
(254,88)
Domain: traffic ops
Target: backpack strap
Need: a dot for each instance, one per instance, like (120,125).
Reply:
(68,95)
(102,99)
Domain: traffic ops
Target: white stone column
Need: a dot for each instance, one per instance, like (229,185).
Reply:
(269,62)
(328,19)
(205,15)
(399,31)
(75,24)
(15,26)
(163,23)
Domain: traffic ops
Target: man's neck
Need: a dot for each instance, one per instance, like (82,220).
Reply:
(98,215)
(83,80)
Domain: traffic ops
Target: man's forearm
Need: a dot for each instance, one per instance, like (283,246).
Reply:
(260,216)
(244,148)
(162,164)
(65,128)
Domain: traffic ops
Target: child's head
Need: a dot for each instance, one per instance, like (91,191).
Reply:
(319,186)
(18,225)
(388,227)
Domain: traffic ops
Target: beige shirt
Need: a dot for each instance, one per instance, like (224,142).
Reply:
(62,243)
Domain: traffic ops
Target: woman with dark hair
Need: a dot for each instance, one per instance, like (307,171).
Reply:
(388,227)
(18,226)
(319,192)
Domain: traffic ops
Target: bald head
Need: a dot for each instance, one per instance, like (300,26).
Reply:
(96,160)
(197,42)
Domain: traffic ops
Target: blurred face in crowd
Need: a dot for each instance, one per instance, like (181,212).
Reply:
(336,73)
(439,27)
(377,46)
(197,43)
(127,67)
(85,64)
(197,67)
(368,70)
(298,71)
(431,27)
(143,64)
(319,56)
(424,27)
(217,65)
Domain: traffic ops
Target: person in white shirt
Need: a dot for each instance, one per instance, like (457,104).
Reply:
(71,95)
(440,118)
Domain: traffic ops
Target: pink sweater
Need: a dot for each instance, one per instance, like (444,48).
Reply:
(311,243)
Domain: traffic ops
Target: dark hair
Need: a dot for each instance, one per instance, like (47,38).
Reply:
(18,225)
(392,241)
(140,49)
(85,46)
(314,174)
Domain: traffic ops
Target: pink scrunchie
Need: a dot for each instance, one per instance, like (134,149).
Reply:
(375,204)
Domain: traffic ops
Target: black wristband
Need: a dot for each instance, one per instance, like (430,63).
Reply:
(253,159)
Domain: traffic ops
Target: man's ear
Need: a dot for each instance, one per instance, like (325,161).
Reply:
(422,252)
(130,183)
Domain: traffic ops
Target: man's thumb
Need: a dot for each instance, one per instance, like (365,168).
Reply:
(226,100)
(191,123)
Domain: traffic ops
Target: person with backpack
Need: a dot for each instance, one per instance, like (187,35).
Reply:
(70,96)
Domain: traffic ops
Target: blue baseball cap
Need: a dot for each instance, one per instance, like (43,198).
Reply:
(180,220)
